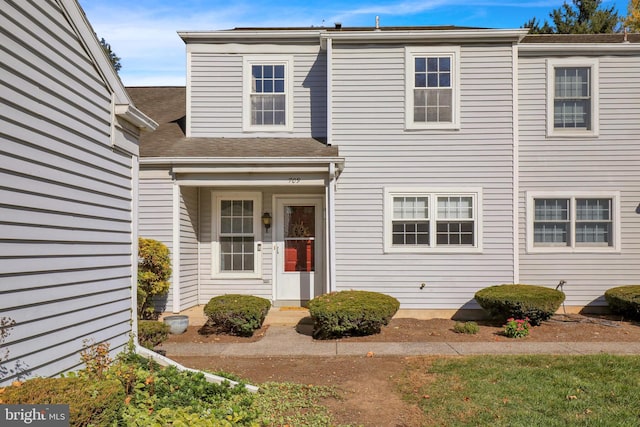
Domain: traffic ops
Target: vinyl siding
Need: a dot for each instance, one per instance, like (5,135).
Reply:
(368,126)
(216,96)
(188,247)
(155,213)
(65,215)
(609,162)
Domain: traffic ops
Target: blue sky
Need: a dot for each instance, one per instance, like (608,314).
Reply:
(143,32)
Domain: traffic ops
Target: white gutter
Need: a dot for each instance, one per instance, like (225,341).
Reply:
(136,117)
(425,35)
(240,160)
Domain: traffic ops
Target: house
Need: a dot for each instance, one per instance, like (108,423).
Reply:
(69,164)
(422,162)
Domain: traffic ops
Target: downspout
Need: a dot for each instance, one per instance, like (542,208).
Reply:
(516,167)
(140,350)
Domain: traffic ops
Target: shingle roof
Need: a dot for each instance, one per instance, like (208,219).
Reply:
(581,38)
(167,105)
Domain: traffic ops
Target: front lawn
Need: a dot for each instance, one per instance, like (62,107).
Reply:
(526,390)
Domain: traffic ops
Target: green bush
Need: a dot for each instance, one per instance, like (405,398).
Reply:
(351,313)
(624,300)
(238,315)
(154,271)
(151,333)
(91,402)
(520,301)
(470,328)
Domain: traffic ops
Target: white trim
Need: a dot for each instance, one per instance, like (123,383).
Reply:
(288,63)
(427,35)
(474,192)
(412,52)
(515,183)
(175,248)
(572,196)
(329,92)
(331,226)
(573,48)
(189,89)
(135,209)
(592,63)
(256,197)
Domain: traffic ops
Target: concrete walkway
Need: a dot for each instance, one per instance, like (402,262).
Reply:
(283,339)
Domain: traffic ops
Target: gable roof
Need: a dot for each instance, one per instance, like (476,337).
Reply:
(166,105)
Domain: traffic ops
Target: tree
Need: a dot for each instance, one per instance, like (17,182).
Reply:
(115,60)
(632,21)
(583,17)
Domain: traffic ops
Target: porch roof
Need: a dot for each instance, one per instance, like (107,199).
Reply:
(167,106)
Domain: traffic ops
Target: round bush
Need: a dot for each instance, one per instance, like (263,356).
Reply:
(624,300)
(238,315)
(351,313)
(520,301)
(152,333)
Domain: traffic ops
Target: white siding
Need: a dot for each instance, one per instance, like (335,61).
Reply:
(65,210)
(368,126)
(609,162)
(155,213)
(188,247)
(216,96)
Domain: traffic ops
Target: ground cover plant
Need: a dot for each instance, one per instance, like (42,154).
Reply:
(526,390)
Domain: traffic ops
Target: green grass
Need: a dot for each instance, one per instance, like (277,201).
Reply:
(526,390)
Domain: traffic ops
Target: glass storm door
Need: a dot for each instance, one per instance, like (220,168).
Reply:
(299,249)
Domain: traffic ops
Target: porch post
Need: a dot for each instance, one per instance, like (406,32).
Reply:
(331,237)
(175,247)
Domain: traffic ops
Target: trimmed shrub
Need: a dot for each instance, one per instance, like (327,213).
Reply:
(90,402)
(520,301)
(151,333)
(154,271)
(239,315)
(351,313)
(470,328)
(624,300)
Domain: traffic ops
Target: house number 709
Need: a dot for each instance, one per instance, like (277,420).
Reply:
(295,180)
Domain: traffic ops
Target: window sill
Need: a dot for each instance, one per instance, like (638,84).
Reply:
(565,250)
(439,250)
(573,134)
(432,127)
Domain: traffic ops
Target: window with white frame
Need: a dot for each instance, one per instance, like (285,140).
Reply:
(424,221)
(268,93)
(572,97)
(432,95)
(236,234)
(573,222)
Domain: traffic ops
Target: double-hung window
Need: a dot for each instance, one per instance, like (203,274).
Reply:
(427,221)
(268,94)
(432,94)
(572,97)
(236,234)
(586,222)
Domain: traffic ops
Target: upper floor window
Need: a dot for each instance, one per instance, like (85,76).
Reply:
(432,93)
(268,94)
(425,221)
(573,222)
(572,98)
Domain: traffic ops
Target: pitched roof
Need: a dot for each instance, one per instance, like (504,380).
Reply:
(167,106)
(581,38)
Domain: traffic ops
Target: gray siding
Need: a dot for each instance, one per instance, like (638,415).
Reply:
(368,125)
(66,197)
(155,212)
(188,247)
(216,96)
(609,162)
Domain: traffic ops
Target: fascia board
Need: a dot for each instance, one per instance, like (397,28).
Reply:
(582,48)
(426,35)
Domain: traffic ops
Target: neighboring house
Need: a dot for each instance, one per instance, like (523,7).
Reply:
(69,164)
(426,163)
